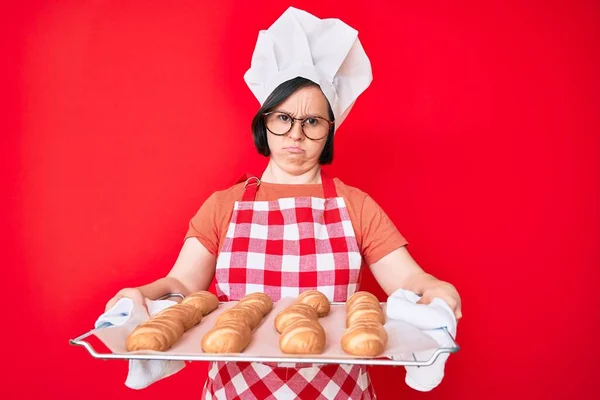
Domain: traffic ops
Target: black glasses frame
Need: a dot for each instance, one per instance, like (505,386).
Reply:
(266,114)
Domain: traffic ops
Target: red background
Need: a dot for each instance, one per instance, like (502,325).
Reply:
(479,136)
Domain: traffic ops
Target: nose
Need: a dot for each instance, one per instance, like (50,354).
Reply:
(296,131)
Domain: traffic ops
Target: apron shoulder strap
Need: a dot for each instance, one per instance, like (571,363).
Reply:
(251,184)
(329,190)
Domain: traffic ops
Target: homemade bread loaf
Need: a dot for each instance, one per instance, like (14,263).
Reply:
(232,331)
(366,335)
(316,300)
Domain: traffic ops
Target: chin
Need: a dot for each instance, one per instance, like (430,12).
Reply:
(293,167)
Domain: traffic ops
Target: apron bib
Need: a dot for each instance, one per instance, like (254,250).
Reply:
(283,248)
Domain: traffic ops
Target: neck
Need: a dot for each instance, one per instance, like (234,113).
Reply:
(274,174)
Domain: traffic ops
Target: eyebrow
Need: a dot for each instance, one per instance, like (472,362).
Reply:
(302,117)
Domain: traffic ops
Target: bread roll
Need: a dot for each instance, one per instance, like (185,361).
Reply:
(365,310)
(303,336)
(365,338)
(157,334)
(293,313)
(316,300)
(189,315)
(228,337)
(162,330)
(204,300)
(261,300)
(236,315)
(233,328)
(361,297)
(145,337)
(256,314)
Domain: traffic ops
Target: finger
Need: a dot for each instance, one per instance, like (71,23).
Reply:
(424,300)
(458,313)
(111,303)
(452,303)
(138,298)
(454,306)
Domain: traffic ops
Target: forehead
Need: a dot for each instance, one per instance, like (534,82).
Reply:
(308,100)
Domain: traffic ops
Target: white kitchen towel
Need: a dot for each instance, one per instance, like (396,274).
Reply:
(142,373)
(430,318)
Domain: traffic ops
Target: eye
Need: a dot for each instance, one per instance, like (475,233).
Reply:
(283,117)
(311,121)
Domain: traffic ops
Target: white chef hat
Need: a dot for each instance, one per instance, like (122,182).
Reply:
(325,51)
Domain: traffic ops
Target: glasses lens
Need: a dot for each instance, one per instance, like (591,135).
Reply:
(278,123)
(315,128)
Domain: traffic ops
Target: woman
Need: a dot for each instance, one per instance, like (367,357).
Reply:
(293,229)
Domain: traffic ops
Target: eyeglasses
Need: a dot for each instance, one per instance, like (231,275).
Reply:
(280,123)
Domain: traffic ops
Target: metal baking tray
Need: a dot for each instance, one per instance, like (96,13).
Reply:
(404,345)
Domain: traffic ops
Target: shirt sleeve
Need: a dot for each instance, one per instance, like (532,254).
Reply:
(203,225)
(379,234)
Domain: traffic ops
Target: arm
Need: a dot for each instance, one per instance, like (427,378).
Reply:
(193,271)
(398,270)
(194,268)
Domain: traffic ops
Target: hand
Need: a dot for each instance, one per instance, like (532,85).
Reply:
(446,292)
(131,293)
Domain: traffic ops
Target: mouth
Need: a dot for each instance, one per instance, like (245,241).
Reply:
(293,149)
